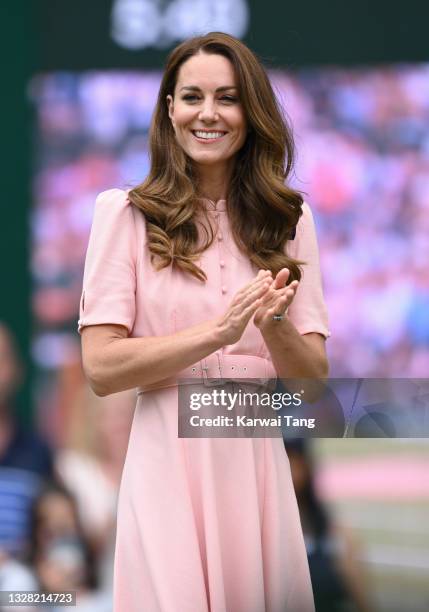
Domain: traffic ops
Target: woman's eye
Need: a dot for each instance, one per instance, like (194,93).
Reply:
(193,98)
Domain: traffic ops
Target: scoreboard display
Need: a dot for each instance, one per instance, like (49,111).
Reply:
(138,33)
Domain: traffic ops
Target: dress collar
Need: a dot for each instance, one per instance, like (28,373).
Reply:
(219,205)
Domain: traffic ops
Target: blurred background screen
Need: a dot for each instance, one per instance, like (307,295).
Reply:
(137,33)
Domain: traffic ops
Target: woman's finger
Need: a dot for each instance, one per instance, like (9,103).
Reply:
(273,294)
(281,278)
(257,292)
(277,306)
(261,277)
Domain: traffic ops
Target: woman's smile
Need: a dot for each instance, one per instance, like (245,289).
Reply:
(208,136)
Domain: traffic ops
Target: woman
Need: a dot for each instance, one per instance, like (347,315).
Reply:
(186,276)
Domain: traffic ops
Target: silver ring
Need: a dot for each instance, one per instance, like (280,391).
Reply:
(278,317)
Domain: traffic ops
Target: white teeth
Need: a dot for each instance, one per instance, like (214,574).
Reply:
(208,135)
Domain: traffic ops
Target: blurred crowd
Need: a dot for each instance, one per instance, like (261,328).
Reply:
(58,501)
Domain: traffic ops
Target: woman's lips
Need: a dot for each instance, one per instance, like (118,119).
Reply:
(215,135)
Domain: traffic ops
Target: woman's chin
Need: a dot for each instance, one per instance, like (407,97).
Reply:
(209,159)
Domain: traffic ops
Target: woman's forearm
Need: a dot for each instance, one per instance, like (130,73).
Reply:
(125,363)
(292,354)
(113,362)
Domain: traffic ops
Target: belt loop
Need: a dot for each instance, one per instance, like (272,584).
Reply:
(204,368)
(219,365)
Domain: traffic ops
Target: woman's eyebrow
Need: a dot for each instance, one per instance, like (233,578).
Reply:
(195,88)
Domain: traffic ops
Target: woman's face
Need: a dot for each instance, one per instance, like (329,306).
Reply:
(206,112)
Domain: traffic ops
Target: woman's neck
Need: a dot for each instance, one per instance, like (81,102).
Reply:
(213,182)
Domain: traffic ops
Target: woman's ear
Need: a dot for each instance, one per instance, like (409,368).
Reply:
(170,104)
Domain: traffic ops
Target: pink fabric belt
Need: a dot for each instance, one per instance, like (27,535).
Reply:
(218,368)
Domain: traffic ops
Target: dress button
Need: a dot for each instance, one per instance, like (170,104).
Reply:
(222,263)
(224,289)
(219,237)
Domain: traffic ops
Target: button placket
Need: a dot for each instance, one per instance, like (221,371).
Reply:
(220,238)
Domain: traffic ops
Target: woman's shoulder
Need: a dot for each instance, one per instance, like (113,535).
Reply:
(115,216)
(113,197)
(115,204)
(306,220)
(304,235)
(307,212)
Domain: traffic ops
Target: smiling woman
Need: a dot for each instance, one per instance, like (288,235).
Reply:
(208,117)
(206,524)
(244,150)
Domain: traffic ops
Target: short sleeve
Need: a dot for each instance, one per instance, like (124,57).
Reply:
(308,310)
(109,280)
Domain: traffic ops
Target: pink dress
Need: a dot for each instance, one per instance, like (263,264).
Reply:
(208,524)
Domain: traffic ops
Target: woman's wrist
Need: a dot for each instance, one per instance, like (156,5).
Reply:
(217,333)
(271,327)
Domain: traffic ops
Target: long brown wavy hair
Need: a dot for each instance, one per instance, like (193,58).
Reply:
(263,210)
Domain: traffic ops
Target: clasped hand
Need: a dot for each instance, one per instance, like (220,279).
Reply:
(263,297)
(276,299)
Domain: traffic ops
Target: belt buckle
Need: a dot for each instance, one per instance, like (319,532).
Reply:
(205,367)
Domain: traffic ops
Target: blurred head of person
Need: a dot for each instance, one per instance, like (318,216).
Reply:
(54,515)
(61,566)
(59,550)
(217,122)
(11,368)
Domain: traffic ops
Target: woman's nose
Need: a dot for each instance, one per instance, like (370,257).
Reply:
(208,112)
